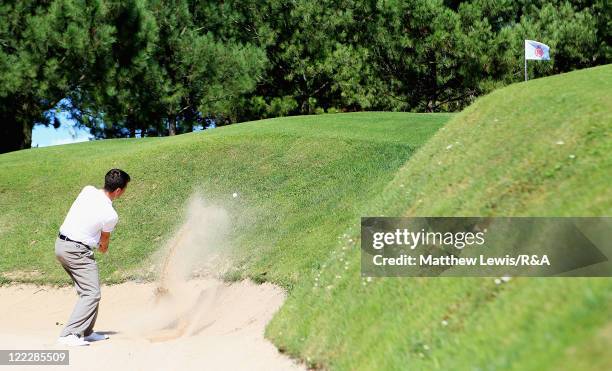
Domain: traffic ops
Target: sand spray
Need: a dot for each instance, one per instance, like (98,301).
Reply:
(199,247)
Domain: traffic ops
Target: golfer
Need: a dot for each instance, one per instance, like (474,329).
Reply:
(88,225)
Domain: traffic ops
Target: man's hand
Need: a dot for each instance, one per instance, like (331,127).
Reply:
(104,240)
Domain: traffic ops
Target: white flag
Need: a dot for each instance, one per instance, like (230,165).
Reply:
(535,50)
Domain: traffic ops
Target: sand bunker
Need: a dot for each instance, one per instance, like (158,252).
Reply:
(225,332)
(176,323)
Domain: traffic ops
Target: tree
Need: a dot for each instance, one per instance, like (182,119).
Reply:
(115,66)
(46,50)
(163,66)
(181,76)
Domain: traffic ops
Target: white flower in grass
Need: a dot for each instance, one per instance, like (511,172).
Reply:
(560,143)
(234,194)
(497,281)
(444,322)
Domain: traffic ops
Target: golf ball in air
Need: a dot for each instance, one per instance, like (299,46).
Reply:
(235,195)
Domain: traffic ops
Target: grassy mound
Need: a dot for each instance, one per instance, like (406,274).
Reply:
(536,148)
(300,180)
(540,148)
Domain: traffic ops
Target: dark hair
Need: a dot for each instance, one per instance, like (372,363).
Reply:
(115,178)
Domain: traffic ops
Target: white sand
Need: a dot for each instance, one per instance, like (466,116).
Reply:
(177,323)
(214,326)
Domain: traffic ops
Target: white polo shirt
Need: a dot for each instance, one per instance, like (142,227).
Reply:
(91,213)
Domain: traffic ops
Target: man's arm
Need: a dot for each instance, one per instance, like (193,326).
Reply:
(104,240)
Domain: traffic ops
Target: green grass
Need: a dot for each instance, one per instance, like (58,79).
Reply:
(536,148)
(300,181)
(540,148)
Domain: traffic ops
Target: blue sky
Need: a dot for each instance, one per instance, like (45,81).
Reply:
(48,136)
(43,136)
(68,132)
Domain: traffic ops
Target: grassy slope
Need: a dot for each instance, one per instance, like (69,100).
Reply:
(300,181)
(304,181)
(538,148)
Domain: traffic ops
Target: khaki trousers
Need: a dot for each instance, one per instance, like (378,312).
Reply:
(79,262)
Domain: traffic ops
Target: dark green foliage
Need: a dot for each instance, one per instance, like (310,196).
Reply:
(413,55)
(162,66)
(47,48)
(116,66)
(176,75)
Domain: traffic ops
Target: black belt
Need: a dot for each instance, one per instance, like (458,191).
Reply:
(62,237)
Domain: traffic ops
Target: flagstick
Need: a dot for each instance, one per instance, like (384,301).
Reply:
(525,68)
